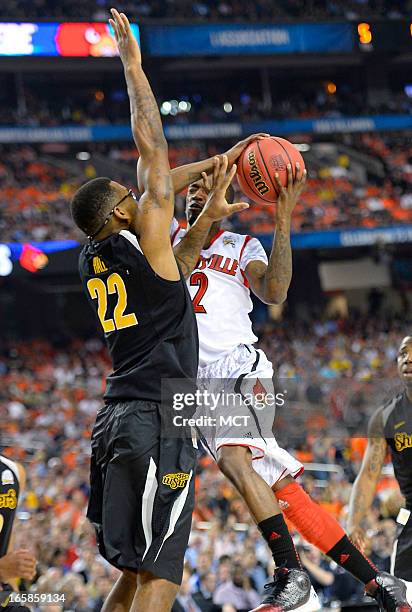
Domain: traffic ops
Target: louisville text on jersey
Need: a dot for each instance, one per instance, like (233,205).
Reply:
(226,265)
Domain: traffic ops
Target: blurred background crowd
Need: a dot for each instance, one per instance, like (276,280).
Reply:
(211,9)
(333,344)
(336,372)
(35,187)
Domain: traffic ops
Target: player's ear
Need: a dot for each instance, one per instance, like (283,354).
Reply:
(122,214)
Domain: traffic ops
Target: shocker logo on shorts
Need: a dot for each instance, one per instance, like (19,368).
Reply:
(175,481)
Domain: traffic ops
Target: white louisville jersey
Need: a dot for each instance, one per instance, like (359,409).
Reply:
(220,292)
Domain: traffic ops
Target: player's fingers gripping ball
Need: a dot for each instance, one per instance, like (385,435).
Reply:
(259,163)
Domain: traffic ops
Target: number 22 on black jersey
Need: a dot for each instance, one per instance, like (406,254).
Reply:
(99,289)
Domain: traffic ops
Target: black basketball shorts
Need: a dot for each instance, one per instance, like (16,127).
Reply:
(142,489)
(402,554)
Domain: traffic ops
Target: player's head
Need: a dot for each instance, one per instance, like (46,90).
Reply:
(405,361)
(196,198)
(102,204)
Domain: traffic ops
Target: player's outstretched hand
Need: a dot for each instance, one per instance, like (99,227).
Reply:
(126,42)
(289,195)
(235,152)
(17,564)
(217,207)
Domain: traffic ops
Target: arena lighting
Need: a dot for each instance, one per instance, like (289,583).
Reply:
(331,88)
(365,33)
(302,147)
(165,108)
(83,156)
(6,265)
(184,106)
(408,90)
(227,107)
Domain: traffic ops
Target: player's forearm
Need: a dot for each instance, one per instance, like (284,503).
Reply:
(184,175)
(361,500)
(187,252)
(279,271)
(146,123)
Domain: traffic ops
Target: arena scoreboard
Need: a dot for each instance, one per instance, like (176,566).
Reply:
(390,36)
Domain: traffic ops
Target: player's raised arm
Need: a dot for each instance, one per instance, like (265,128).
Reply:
(184,175)
(153,170)
(271,282)
(364,488)
(187,252)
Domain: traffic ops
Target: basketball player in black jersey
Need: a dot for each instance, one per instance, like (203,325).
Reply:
(19,564)
(142,482)
(390,427)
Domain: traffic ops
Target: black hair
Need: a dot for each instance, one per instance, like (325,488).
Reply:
(91,204)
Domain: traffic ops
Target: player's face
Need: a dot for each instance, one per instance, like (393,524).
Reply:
(195,201)
(405,361)
(128,203)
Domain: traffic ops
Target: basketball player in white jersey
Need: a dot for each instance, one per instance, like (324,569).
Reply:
(229,266)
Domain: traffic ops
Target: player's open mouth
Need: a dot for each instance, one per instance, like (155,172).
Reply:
(196,207)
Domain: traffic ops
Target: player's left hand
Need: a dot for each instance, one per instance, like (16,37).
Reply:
(127,44)
(234,153)
(217,207)
(289,195)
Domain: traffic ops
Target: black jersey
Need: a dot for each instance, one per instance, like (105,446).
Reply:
(397,422)
(148,322)
(9,495)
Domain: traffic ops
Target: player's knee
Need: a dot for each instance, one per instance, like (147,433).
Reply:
(235,462)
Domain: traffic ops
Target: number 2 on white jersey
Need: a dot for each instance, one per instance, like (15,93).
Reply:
(200,280)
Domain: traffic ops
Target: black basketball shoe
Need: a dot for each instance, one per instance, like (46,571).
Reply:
(389,592)
(290,590)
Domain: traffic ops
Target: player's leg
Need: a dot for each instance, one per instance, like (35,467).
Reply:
(122,594)
(323,531)
(154,594)
(319,528)
(236,463)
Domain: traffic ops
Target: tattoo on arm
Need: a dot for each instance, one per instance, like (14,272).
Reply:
(187,252)
(367,480)
(279,270)
(145,117)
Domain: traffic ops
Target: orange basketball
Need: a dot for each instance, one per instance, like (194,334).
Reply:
(259,163)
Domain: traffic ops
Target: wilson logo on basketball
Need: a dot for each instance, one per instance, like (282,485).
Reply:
(256,175)
(278,163)
(175,481)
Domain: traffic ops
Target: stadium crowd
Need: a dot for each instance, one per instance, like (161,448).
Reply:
(35,190)
(332,370)
(260,10)
(87,105)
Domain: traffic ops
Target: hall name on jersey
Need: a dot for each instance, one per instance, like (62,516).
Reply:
(8,500)
(219,263)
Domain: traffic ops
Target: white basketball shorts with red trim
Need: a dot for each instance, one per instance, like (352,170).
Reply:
(240,411)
